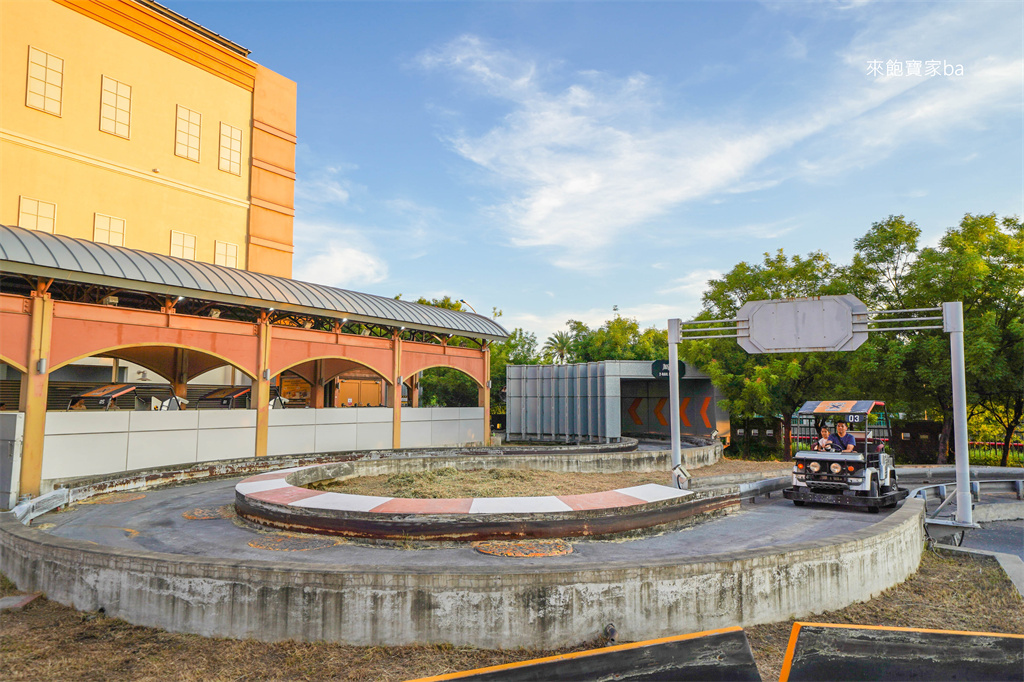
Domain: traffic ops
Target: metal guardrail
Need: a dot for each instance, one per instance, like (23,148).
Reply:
(37,506)
(942,491)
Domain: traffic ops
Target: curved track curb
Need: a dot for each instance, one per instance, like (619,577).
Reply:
(493,607)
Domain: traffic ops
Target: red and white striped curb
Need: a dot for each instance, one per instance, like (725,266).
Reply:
(272,488)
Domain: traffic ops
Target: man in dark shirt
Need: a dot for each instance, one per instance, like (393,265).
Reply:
(841,440)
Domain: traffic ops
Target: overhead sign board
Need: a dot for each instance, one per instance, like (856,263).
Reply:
(660,369)
(822,323)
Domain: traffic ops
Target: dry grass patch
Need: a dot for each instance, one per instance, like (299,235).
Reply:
(950,591)
(449,482)
(48,641)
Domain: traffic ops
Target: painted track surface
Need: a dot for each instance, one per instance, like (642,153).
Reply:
(157,522)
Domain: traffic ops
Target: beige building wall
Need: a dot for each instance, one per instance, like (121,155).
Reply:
(177,152)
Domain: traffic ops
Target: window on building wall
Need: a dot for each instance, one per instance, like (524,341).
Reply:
(230,149)
(183,245)
(108,229)
(226,253)
(186,137)
(115,107)
(37,215)
(45,81)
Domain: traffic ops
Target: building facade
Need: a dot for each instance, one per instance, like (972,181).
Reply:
(125,123)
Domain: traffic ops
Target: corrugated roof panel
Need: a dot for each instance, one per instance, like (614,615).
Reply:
(21,247)
(105,261)
(12,248)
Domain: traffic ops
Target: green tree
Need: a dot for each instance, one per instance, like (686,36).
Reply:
(617,339)
(981,263)
(768,384)
(559,347)
(520,348)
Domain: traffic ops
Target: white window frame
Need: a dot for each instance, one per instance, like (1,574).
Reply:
(185,247)
(101,222)
(225,253)
(44,85)
(188,128)
(29,208)
(230,160)
(115,107)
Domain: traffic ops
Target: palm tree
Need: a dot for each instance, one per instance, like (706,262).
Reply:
(559,347)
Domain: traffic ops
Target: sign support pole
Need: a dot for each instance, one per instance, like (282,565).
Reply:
(953,323)
(673,389)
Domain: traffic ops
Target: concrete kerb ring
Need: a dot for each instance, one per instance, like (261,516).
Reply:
(279,500)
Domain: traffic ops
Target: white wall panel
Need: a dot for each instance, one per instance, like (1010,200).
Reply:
(444,433)
(163,421)
(217,444)
(292,417)
(220,419)
(148,449)
(74,455)
(89,421)
(415,434)
(373,436)
(291,440)
(336,437)
(336,415)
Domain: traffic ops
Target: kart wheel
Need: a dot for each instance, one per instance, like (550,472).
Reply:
(799,503)
(873,492)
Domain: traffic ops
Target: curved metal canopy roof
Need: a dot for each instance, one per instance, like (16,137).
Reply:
(29,252)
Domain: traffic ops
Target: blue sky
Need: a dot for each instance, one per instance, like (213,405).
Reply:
(556,159)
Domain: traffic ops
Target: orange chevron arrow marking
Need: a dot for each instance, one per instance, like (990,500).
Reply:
(658,414)
(633,414)
(682,411)
(704,412)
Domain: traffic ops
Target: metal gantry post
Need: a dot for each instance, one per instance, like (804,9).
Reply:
(953,323)
(673,388)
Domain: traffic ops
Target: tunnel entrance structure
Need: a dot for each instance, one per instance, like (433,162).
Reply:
(605,401)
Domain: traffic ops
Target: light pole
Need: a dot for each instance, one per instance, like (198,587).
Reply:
(462,300)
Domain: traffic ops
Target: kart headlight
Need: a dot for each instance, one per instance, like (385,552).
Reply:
(815,467)
(835,467)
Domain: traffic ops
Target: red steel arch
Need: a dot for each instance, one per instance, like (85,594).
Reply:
(40,335)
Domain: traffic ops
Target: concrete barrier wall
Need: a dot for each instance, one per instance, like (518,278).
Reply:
(12,429)
(597,462)
(432,427)
(544,607)
(95,443)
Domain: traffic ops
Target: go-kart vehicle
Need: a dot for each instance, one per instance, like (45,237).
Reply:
(865,477)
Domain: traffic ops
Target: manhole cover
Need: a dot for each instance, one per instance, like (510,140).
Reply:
(524,548)
(291,543)
(224,511)
(115,498)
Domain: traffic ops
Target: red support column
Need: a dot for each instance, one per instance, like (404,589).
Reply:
(35,383)
(396,385)
(262,388)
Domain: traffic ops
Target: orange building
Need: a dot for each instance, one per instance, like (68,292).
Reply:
(125,123)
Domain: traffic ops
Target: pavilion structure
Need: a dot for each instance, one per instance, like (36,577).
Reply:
(64,299)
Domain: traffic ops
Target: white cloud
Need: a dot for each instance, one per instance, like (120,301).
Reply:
(340,265)
(691,286)
(583,164)
(338,255)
